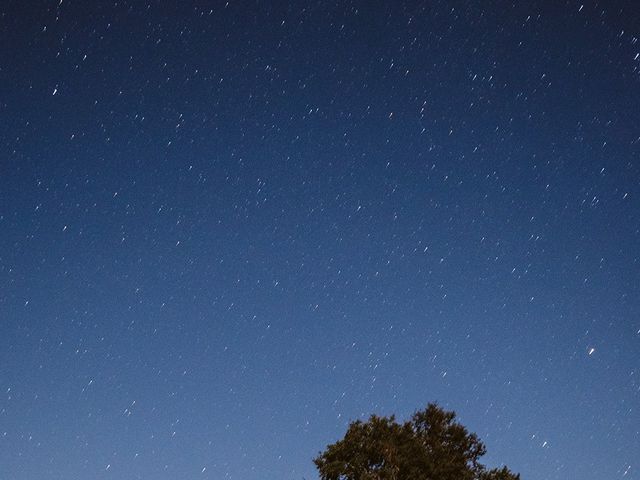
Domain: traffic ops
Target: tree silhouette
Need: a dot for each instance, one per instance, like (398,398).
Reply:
(430,446)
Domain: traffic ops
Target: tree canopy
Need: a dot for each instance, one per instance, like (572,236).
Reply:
(432,445)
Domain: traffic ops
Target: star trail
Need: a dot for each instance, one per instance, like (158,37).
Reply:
(227,229)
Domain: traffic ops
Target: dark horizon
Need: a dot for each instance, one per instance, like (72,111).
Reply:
(228,229)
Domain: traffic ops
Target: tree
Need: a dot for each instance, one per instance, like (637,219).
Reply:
(432,445)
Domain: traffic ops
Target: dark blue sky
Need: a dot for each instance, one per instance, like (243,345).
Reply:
(229,229)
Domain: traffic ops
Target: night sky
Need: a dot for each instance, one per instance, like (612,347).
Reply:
(228,229)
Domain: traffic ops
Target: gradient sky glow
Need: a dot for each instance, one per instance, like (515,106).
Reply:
(228,229)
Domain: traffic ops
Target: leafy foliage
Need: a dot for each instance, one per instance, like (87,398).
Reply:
(432,445)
